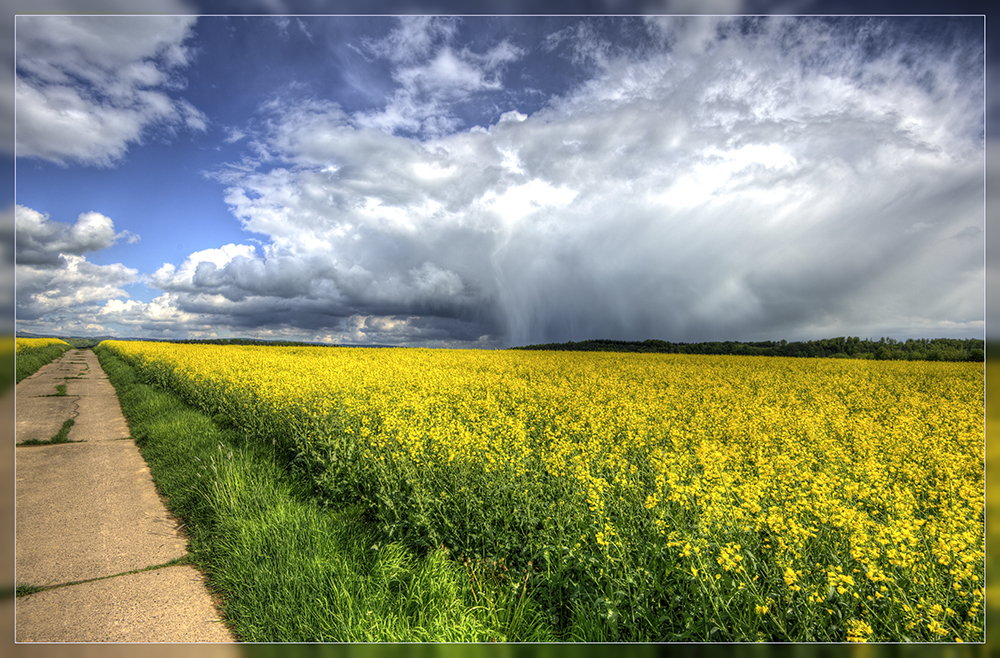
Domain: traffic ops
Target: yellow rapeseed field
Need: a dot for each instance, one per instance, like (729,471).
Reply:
(712,497)
(36,343)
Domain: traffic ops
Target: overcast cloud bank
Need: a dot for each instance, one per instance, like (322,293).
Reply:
(707,179)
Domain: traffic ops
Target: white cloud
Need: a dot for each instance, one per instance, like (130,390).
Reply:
(432,75)
(712,189)
(413,38)
(74,287)
(160,314)
(200,264)
(722,183)
(40,241)
(54,280)
(88,86)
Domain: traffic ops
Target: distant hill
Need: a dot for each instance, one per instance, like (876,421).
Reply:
(96,339)
(914,349)
(200,341)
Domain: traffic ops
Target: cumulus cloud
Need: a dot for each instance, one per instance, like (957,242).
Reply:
(54,280)
(40,241)
(747,179)
(433,74)
(157,317)
(724,178)
(88,86)
(45,291)
(306,291)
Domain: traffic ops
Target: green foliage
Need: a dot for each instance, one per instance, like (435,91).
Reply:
(83,343)
(25,590)
(519,544)
(29,361)
(919,349)
(288,568)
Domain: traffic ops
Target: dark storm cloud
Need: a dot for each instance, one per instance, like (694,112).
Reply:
(743,180)
(707,178)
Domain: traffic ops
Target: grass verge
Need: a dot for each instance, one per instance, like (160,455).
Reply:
(29,360)
(289,570)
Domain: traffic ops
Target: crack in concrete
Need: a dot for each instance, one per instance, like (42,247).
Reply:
(180,562)
(88,523)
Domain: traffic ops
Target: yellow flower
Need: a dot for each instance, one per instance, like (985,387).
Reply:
(787,450)
(858,631)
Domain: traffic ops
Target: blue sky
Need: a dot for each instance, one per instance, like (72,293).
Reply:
(490,181)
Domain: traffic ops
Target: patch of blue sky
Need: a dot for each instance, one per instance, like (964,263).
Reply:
(160,194)
(627,130)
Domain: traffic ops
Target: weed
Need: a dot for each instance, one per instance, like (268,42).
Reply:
(24,590)
(62,436)
(60,391)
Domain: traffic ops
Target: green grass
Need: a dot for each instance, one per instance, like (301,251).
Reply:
(60,391)
(24,590)
(29,361)
(82,343)
(62,436)
(289,570)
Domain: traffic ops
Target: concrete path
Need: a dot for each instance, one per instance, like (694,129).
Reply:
(89,520)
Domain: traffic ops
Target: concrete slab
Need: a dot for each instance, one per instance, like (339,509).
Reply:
(70,368)
(90,386)
(99,419)
(164,605)
(100,416)
(90,510)
(36,386)
(101,650)
(42,418)
(86,510)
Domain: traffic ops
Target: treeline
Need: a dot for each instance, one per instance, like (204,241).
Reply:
(850,347)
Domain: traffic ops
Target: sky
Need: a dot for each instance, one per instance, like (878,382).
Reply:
(490,181)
